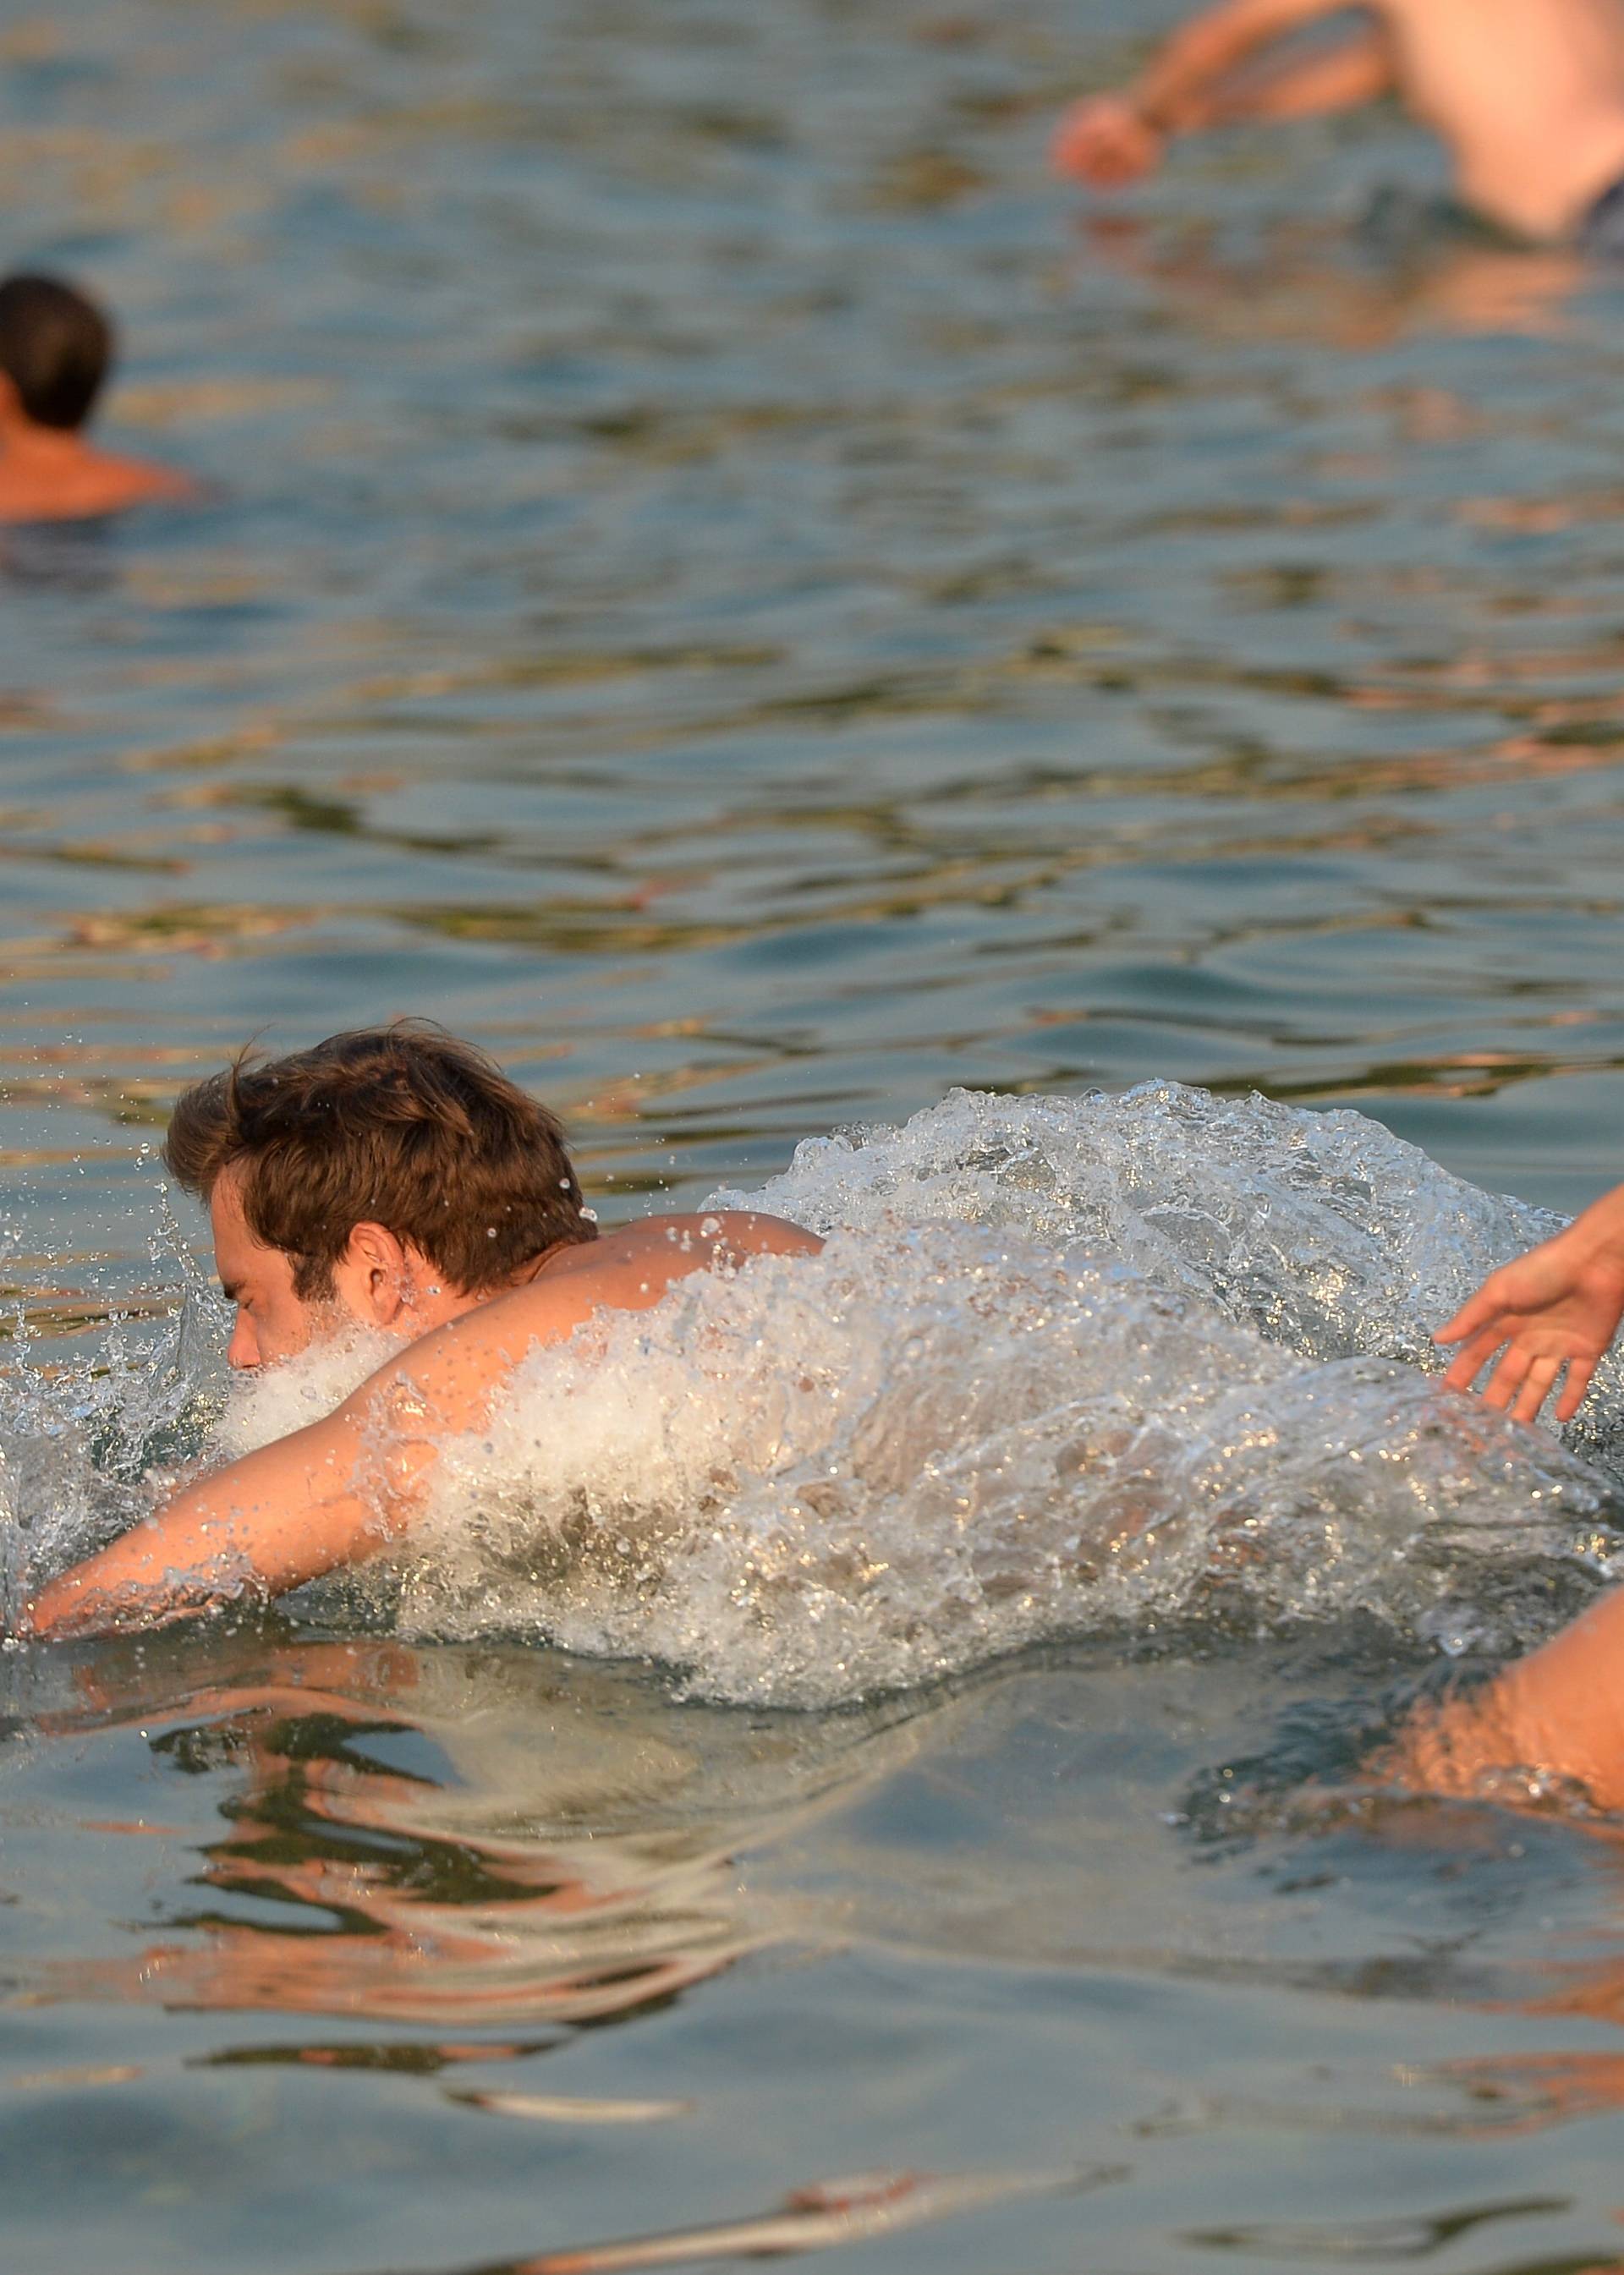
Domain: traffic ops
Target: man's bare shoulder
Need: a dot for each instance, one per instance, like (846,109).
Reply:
(456,1366)
(632,1267)
(703,1241)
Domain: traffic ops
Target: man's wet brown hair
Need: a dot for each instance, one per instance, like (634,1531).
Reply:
(402,1126)
(55,347)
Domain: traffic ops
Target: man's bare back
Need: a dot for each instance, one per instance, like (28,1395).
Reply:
(1528,95)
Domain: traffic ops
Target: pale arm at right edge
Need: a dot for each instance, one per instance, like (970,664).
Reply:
(1559,1712)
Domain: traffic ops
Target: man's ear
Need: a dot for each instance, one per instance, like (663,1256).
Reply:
(377,1274)
(11,412)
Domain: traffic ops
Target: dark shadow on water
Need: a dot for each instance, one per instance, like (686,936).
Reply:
(73,558)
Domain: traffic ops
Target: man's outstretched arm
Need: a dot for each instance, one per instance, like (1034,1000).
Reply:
(332,1493)
(339,1490)
(1197,80)
(260,1526)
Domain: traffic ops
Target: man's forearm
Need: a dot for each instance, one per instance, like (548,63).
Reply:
(1357,71)
(266,1524)
(1182,89)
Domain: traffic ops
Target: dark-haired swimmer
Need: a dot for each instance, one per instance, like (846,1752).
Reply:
(56,350)
(1528,95)
(394,1178)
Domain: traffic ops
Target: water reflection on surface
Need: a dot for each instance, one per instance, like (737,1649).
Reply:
(485,1958)
(493,1838)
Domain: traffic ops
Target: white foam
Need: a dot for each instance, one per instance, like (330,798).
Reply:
(932,1444)
(267,1402)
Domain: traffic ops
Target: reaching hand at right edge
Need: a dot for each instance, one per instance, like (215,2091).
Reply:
(1556,1308)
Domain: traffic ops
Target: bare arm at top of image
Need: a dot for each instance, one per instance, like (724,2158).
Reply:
(340,1490)
(1198,79)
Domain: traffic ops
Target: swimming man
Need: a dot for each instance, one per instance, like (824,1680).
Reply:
(392,1179)
(1528,95)
(56,350)
(395,1179)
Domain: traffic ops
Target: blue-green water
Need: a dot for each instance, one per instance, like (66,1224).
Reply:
(719,583)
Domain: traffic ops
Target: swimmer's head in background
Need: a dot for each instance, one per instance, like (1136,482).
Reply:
(56,349)
(401,1126)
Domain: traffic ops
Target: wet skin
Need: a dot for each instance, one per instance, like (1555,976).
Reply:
(336,1492)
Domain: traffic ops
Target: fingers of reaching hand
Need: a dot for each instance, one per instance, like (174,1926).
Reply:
(1579,1373)
(1537,1379)
(1474,1314)
(1518,1380)
(1507,1380)
(1469,1361)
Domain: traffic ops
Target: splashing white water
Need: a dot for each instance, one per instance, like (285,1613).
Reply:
(1322,1230)
(81,1446)
(272,1402)
(1064,1363)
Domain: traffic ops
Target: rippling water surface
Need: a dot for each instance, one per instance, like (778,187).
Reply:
(718,582)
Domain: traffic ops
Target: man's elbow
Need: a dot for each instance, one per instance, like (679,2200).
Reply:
(61,1607)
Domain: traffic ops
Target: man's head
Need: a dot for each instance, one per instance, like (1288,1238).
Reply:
(55,349)
(394,1175)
